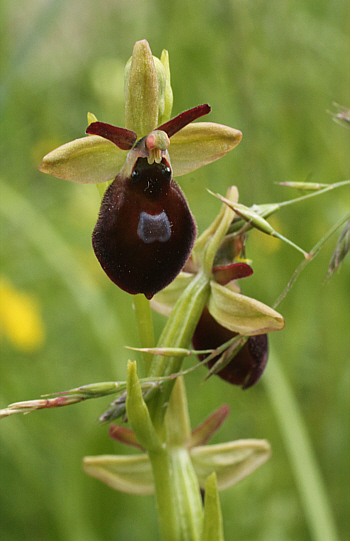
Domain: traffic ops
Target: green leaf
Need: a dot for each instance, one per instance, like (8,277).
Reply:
(138,413)
(230,461)
(200,143)
(89,160)
(131,474)
(242,314)
(212,527)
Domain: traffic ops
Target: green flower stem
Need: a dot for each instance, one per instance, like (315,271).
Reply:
(177,333)
(301,455)
(163,483)
(176,486)
(145,329)
(186,499)
(185,315)
(180,511)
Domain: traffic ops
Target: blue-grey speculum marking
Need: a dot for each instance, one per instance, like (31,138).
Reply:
(153,228)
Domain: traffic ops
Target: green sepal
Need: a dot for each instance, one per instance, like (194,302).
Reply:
(131,474)
(199,144)
(232,461)
(88,160)
(242,314)
(162,83)
(212,526)
(141,91)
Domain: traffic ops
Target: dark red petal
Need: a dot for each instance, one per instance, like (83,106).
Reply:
(124,435)
(145,231)
(206,430)
(176,124)
(124,139)
(226,273)
(247,365)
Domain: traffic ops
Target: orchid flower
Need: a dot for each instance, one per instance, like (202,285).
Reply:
(145,231)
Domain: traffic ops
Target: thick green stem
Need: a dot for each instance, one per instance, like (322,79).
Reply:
(167,513)
(177,333)
(145,328)
(180,511)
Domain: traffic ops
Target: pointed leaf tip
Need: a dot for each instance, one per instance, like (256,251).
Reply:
(212,527)
(137,411)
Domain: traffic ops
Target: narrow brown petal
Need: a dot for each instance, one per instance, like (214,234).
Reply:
(124,435)
(180,121)
(124,139)
(202,433)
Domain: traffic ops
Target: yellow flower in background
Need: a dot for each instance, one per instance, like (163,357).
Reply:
(20,318)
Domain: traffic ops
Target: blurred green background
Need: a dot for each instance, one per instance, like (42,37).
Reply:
(269,68)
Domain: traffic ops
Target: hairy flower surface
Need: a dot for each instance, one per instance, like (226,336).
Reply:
(145,230)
